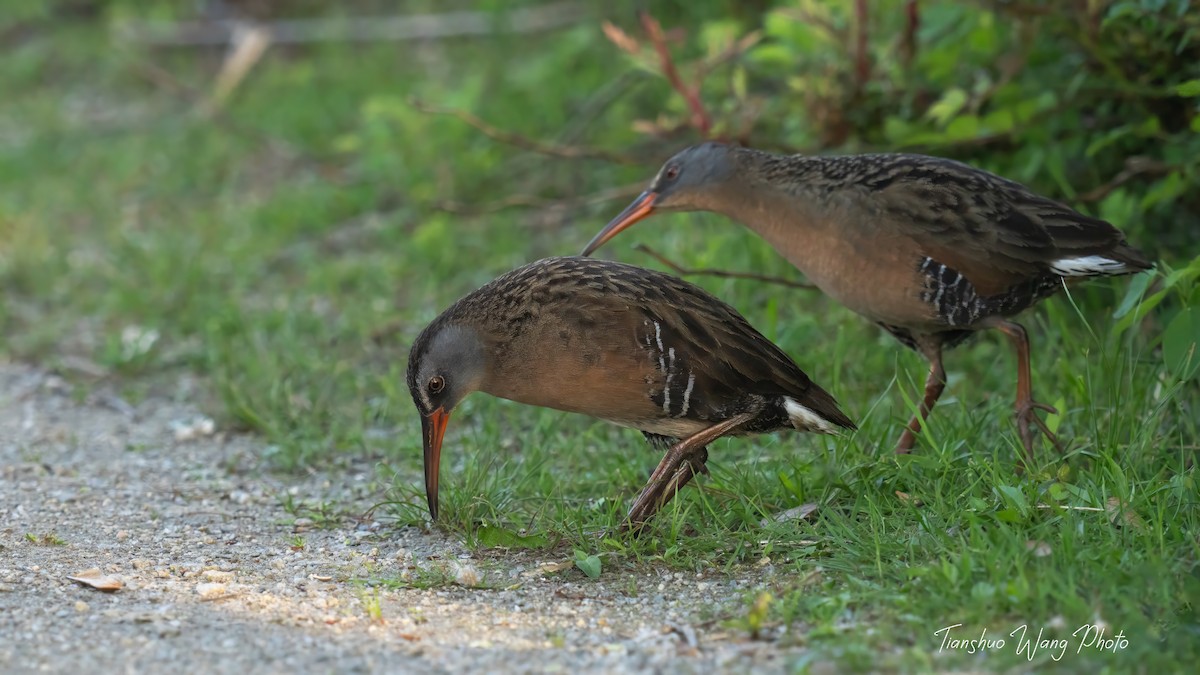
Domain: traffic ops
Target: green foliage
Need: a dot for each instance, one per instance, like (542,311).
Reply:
(289,248)
(588,564)
(1096,103)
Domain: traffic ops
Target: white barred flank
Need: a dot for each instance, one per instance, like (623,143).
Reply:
(805,419)
(1087,266)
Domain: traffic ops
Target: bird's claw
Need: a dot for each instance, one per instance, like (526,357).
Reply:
(1027,417)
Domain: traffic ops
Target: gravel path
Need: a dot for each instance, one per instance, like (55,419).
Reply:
(215,580)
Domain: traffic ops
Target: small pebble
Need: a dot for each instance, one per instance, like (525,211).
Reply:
(210,590)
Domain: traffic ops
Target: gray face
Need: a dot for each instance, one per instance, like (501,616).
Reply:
(689,172)
(445,365)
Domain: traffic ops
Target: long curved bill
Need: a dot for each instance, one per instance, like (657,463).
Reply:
(433,428)
(640,208)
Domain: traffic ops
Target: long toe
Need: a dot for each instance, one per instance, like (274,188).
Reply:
(1028,417)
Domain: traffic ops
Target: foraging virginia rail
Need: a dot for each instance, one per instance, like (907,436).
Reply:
(930,249)
(629,345)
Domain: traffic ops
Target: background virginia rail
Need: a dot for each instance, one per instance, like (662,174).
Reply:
(928,248)
(629,345)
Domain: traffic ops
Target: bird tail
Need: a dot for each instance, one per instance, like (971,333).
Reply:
(817,412)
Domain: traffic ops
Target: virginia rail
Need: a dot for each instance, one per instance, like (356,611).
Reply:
(930,249)
(628,345)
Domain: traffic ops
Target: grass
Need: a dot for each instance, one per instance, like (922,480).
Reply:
(290,248)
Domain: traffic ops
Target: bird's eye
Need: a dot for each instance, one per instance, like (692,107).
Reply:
(671,173)
(436,384)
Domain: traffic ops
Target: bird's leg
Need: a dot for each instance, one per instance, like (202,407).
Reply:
(658,492)
(935,383)
(1025,407)
(682,461)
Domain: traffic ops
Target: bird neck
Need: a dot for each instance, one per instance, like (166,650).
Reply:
(786,200)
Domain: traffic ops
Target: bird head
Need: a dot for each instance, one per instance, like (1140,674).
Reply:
(680,185)
(446,363)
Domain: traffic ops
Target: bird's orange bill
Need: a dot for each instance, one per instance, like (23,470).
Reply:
(433,428)
(640,208)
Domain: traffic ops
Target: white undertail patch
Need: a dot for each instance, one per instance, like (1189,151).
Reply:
(805,419)
(1087,266)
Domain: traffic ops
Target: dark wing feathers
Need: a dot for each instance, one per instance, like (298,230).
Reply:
(728,356)
(730,359)
(981,219)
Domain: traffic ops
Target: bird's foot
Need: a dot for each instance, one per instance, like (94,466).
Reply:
(1027,418)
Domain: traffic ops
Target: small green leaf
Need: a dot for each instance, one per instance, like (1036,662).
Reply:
(1179,343)
(1137,287)
(1189,88)
(1008,516)
(757,616)
(1053,420)
(490,536)
(1141,310)
(588,564)
(948,106)
(1014,497)
(1058,492)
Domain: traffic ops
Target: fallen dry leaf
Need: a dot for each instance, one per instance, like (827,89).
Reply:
(795,513)
(1040,548)
(97,580)
(552,567)
(908,499)
(620,38)
(1121,514)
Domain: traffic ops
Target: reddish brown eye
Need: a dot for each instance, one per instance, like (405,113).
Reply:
(672,173)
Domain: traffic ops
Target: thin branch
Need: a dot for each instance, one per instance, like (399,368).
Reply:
(700,118)
(734,50)
(524,142)
(724,274)
(357,29)
(908,40)
(862,59)
(801,16)
(249,45)
(1134,167)
(530,201)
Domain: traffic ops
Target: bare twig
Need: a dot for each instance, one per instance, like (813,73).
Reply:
(249,44)
(700,117)
(529,201)
(724,274)
(357,29)
(1134,167)
(524,142)
(862,59)
(734,50)
(802,16)
(908,40)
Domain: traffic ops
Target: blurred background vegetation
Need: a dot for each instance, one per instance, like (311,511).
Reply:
(275,217)
(277,223)
(280,209)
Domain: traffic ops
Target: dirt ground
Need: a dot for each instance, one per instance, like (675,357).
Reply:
(190,521)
